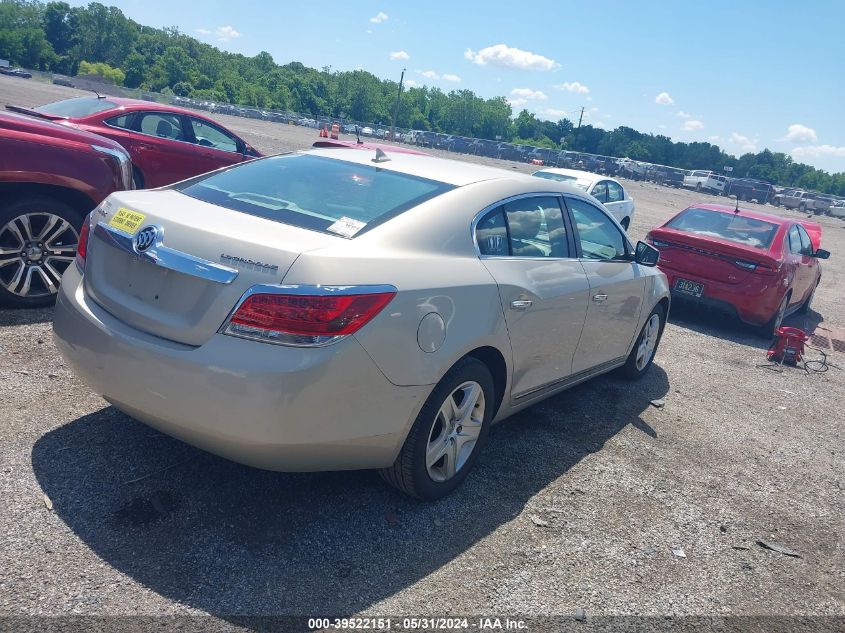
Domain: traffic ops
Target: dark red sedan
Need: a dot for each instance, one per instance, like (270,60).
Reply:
(167,144)
(759,266)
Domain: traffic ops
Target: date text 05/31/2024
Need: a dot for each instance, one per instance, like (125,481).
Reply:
(418,624)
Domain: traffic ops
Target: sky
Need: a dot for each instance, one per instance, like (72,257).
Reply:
(743,75)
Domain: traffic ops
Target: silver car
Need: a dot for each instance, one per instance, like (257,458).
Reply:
(341,309)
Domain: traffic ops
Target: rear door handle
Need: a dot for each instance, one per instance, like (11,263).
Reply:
(599,298)
(521,305)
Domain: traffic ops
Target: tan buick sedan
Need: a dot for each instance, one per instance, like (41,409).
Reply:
(341,309)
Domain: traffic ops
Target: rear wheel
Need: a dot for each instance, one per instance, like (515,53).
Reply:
(768,329)
(805,307)
(38,240)
(802,207)
(447,435)
(642,355)
(698,187)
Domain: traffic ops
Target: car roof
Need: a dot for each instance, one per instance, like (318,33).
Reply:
(453,172)
(134,105)
(576,173)
(748,213)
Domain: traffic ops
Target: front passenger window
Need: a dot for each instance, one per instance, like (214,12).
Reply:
(598,235)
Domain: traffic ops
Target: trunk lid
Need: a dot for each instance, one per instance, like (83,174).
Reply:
(709,259)
(205,258)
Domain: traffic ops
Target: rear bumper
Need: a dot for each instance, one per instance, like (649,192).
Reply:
(273,407)
(752,302)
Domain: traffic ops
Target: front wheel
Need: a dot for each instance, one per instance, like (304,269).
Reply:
(642,355)
(447,435)
(38,239)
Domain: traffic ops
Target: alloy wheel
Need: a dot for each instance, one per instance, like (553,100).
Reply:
(35,249)
(648,342)
(455,431)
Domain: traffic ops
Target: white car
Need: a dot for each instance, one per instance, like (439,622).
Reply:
(606,190)
(707,181)
(837,209)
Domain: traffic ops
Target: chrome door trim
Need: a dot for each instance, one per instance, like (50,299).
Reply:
(569,381)
(164,257)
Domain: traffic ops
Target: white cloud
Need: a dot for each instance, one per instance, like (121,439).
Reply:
(379,17)
(714,139)
(396,55)
(682,114)
(574,86)
(528,94)
(203,31)
(797,133)
(819,150)
(553,113)
(662,127)
(664,99)
(509,57)
(517,103)
(410,83)
(745,144)
(429,74)
(226,33)
(692,125)
(452,78)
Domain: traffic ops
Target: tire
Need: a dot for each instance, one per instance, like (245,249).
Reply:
(776,202)
(805,307)
(802,207)
(767,330)
(637,364)
(137,178)
(412,473)
(42,227)
(698,187)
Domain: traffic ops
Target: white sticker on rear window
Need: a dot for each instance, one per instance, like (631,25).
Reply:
(347,227)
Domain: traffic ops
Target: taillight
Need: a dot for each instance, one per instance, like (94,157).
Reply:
(307,319)
(82,244)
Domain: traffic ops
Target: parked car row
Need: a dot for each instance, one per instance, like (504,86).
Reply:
(60,160)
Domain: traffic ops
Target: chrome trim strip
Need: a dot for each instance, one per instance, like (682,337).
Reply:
(571,380)
(165,257)
(295,340)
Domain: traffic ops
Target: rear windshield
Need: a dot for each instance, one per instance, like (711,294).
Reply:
(79,107)
(570,180)
(725,226)
(315,192)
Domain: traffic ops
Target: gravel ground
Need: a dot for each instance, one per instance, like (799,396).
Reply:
(576,503)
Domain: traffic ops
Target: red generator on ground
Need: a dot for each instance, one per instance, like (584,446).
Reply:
(788,346)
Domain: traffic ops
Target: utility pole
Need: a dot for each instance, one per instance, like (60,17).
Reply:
(396,108)
(577,129)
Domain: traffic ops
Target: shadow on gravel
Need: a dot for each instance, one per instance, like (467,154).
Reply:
(21,316)
(235,541)
(718,325)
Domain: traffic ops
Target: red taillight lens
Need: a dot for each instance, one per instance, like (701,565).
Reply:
(82,245)
(305,319)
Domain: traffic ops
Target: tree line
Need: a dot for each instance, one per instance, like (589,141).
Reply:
(101,40)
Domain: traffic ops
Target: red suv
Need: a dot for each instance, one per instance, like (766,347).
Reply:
(51,177)
(167,144)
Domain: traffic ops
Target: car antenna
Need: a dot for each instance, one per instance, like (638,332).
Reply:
(357,135)
(99,96)
(381,157)
(736,209)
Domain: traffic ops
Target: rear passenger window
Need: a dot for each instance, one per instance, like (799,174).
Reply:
(162,125)
(615,193)
(527,227)
(794,241)
(599,192)
(806,244)
(123,121)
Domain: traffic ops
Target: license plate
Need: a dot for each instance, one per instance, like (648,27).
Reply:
(689,287)
(126,220)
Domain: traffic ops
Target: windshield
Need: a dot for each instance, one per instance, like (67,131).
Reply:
(582,184)
(75,108)
(725,226)
(315,192)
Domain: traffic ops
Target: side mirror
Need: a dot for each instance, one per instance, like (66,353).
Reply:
(646,254)
(821,254)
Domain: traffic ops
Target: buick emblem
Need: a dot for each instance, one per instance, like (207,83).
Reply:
(145,238)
